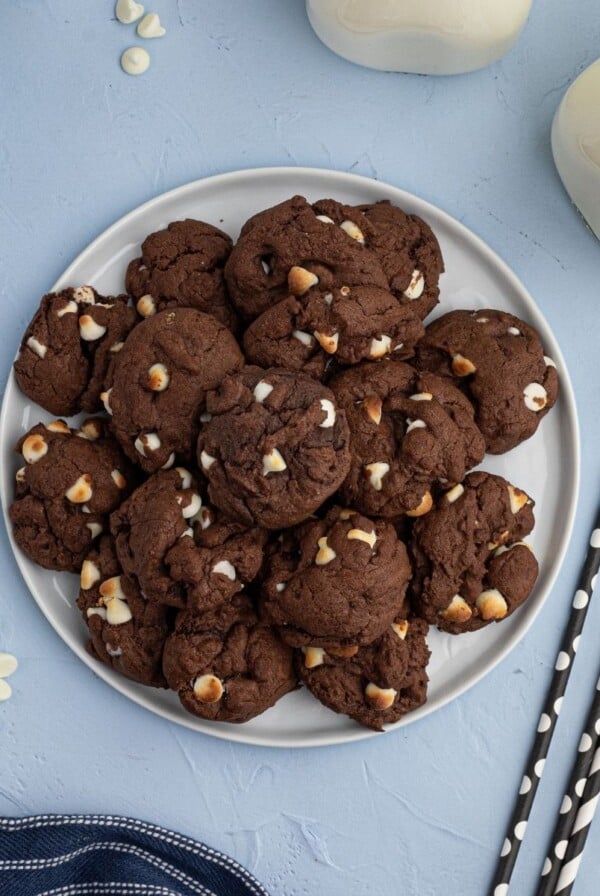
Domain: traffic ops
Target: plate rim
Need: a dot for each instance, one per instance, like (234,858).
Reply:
(235,733)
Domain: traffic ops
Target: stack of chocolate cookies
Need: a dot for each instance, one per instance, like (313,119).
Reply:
(276,486)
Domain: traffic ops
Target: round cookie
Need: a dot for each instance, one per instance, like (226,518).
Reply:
(336,583)
(470,565)
(225,664)
(276,448)
(499,362)
(288,250)
(178,550)
(159,383)
(69,485)
(409,431)
(409,254)
(183,265)
(126,631)
(378,685)
(68,346)
(347,324)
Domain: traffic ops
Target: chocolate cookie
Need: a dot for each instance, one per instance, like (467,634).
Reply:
(380,683)
(65,492)
(183,265)
(159,383)
(347,324)
(178,550)
(471,566)
(499,362)
(225,664)
(277,446)
(288,250)
(409,254)
(126,631)
(409,431)
(336,583)
(68,346)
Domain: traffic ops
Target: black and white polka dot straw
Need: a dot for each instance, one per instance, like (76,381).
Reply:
(588,756)
(547,722)
(585,816)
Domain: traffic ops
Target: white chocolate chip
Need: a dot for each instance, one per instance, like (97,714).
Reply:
(424,506)
(514,331)
(325,219)
(225,568)
(313,657)
(96,611)
(549,362)
(354,231)
(81,491)
(481,320)
(169,461)
(188,533)
(90,430)
(148,441)
(85,508)
(461,366)
(454,494)
(325,554)
(300,280)
(58,426)
(273,463)
(360,535)
(207,460)
(111,588)
(208,688)
(415,424)
(329,411)
(150,27)
(346,513)
(328,343)
(373,406)
(518,499)
(262,390)
(37,347)
(118,612)
(116,347)
(191,509)
(305,338)
(491,605)
(206,519)
(84,295)
(146,306)
(401,629)
(536,397)
(186,477)
(113,651)
(508,547)
(205,417)
(128,11)
(380,698)
(328,298)
(421,396)
(69,308)
(265,266)
(376,472)
(279,587)
(415,288)
(118,479)
(95,529)
(105,399)
(457,610)
(90,574)
(158,378)
(8,664)
(89,330)
(380,347)
(20,475)
(135,61)
(34,448)
(398,347)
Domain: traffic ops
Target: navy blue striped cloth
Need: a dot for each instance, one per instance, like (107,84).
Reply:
(103,855)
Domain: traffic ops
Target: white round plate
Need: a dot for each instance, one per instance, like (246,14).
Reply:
(546,466)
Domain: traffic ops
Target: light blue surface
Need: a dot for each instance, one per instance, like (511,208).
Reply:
(243,84)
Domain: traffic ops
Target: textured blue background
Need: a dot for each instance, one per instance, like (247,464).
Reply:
(243,84)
